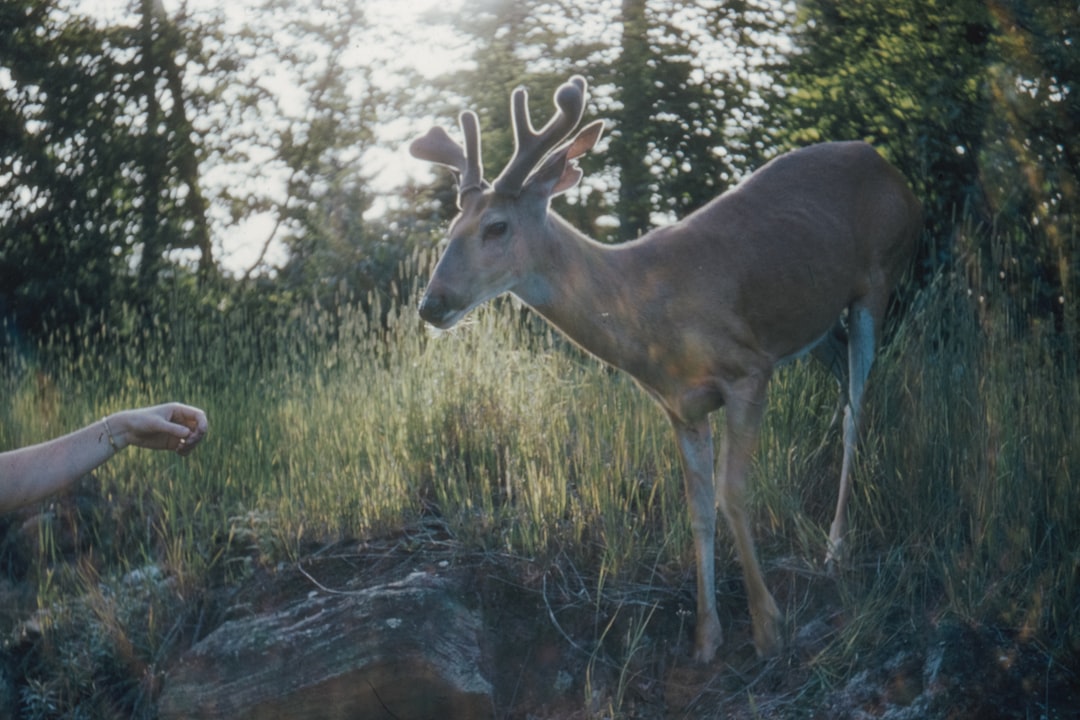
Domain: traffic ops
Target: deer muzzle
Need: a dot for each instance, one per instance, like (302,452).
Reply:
(435,310)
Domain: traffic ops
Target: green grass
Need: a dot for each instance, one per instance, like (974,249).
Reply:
(326,426)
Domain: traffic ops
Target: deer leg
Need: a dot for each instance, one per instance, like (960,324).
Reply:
(832,353)
(743,422)
(696,451)
(861,345)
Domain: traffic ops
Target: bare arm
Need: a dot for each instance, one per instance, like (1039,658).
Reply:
(31,473)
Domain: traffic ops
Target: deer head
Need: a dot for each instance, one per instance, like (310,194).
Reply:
(491,243)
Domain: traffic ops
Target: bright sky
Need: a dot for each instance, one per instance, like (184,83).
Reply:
(428,52)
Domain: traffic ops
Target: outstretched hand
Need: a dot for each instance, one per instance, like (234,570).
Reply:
(30,473)
(172,426)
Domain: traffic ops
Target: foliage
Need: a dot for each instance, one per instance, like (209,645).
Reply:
(680,113)
(99,160)
(685,110)
(975,103)
(325,425)
(116,178)
(318,144)
(1031,162)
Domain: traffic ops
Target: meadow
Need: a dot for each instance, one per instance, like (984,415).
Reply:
(327,425)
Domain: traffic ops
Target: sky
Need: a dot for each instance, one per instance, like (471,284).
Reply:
(239,246)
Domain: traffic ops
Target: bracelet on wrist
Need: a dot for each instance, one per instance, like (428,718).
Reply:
(112,440)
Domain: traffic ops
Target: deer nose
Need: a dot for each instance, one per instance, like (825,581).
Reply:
(433,308)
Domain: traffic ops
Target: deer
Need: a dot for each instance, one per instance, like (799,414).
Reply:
(800,257)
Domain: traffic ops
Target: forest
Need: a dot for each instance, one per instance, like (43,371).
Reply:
(132,149)
(214,205)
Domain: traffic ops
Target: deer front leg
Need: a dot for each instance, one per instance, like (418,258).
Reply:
(696,451)
(744,411)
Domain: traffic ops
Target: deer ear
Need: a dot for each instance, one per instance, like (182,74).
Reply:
(584,141)
(559,172)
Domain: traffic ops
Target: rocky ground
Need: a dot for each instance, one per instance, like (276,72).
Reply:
(427,632)
(413,626)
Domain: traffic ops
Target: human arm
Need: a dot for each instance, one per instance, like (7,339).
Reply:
(31,473)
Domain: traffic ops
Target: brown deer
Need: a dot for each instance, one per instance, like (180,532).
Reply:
(699,312)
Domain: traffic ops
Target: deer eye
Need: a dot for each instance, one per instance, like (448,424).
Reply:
(494,231)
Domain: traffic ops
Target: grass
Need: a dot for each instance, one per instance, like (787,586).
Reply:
(327,426)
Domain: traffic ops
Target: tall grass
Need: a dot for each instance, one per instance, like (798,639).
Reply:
(981,458)
(330,425)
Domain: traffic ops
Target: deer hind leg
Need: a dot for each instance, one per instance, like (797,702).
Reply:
(862,341)
(743,423)
(832,353)
(696,451)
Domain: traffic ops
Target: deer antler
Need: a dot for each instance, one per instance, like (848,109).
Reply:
(530,146)
(438,147)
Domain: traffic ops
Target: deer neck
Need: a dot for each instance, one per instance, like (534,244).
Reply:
(587,291)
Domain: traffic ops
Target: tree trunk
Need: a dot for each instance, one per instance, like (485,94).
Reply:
(153,159)
(630,146)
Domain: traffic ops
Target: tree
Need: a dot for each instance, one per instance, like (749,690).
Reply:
(317,127)
(65,195)
(1031,159)
(630,151)
(169,152)
(908,77)
(977,105)
(687,119)
(678,112)
(99,160)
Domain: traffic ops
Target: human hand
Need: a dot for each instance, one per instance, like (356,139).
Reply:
(172,426)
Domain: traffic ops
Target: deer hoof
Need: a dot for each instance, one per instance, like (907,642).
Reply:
(708,638)
(767,631)
(834,558)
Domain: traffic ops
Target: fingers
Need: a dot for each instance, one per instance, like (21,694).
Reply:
(191,425)
(172,426)
(192,418)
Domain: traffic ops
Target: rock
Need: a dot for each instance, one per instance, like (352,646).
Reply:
(408,649)
(961,674)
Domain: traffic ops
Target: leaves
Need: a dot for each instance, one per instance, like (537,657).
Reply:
(103,157)
(133,150)
(976,106)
